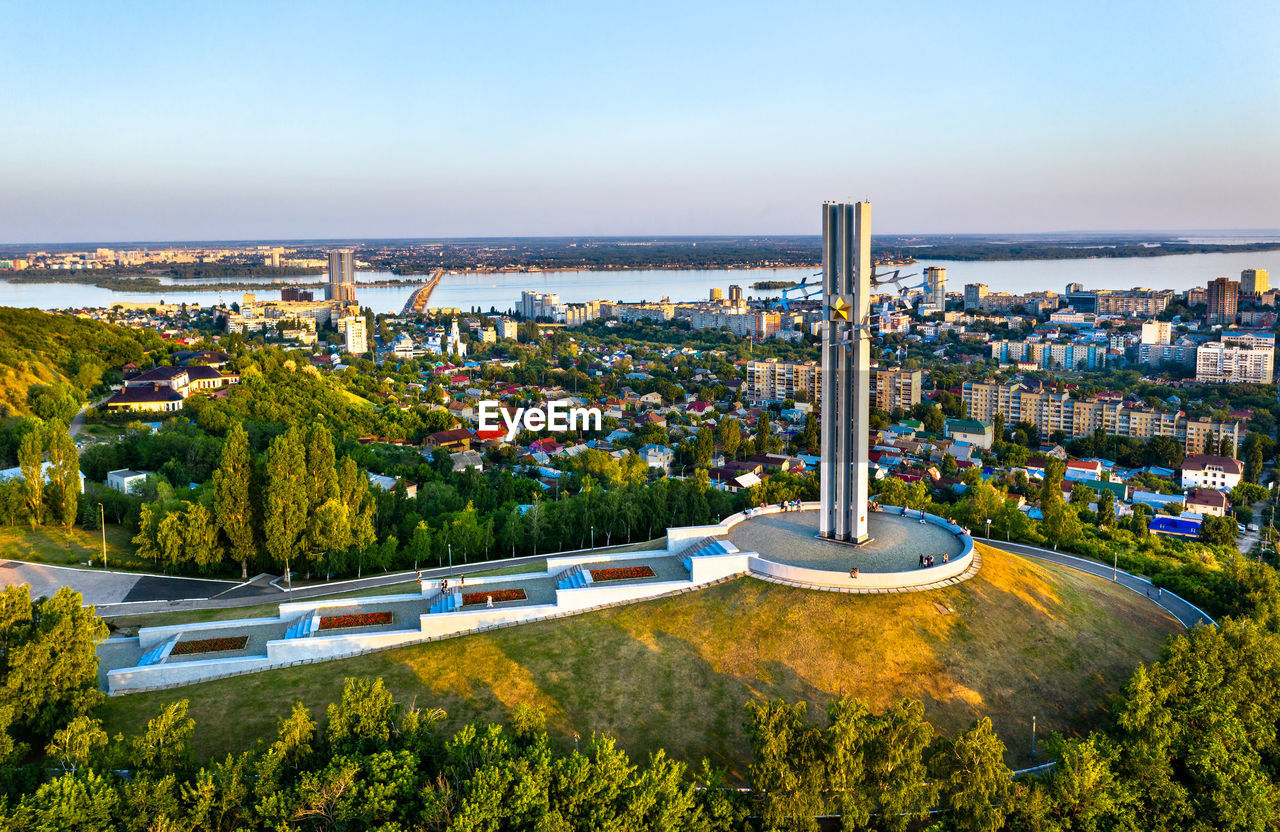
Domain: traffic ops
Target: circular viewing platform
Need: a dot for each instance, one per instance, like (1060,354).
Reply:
(787,548)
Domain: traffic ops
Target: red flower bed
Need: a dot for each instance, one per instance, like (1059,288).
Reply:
(498,596)
(209,645)
(361,619)
(622,573)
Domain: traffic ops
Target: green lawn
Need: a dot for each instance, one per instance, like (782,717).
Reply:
(49,544)
(1024,639)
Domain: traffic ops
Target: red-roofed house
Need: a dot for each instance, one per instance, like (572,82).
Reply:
(1207,501)
(1083,469)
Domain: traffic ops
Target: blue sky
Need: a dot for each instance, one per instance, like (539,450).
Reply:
(233,120)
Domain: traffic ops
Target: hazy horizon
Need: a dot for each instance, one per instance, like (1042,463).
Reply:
(244,121)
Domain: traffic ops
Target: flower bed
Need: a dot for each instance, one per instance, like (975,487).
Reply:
(358,619)
(622,573)
(209,645)
(498,596)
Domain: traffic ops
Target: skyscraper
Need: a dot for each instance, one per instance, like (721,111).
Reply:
(1223,301)
(342,276)
(973,295)
(1254,281)
(735,294)
(936,295)
(717,295)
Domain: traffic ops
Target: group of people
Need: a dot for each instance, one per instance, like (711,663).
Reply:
(783,505)
(444,584)
(927,560)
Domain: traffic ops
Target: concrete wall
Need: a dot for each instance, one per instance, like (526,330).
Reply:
(149,637)
(680,539)
(708,568)
(180,673)
(597,594)
(462,621)
(557,565)
(291,611)
(287,651)
(820,577)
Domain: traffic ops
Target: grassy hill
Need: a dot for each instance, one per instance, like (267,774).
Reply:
(38,349)
(1021,639)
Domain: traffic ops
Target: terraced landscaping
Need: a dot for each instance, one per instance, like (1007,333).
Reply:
(1020,639)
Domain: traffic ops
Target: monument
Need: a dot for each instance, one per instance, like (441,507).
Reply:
(846,370)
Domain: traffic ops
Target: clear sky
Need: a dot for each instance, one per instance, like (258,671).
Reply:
(228,120)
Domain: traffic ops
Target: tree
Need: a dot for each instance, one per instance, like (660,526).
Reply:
(1051,488)
(1106,507)
(730,435)
(704,447)
(1218,531)
(232,505)
(1060,522)
(787,761)
(353,488)
(420,543)
(285,517)
(165,746)
(322,483)
(976,784)
(764,432)
(31,461)
(64,473)
(48,658)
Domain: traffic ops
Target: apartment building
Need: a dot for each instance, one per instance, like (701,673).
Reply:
(1051,410)
(1144,303)
(1068,356)
(897,388)
(1223,362)
(776,381)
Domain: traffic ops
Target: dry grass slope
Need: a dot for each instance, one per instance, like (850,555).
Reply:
(1023,639)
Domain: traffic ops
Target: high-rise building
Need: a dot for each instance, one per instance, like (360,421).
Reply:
(1223,301)
(1157,332)
(1048,411)
(735,294)
(1231,363)
(936,294)
(973,295)
(342,276)
(356,334)
(897,388)
(717,295)
(1254,281)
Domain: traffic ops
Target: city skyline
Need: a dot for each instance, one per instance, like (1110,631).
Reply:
(231,123)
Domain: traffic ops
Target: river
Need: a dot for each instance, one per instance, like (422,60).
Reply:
(502,291)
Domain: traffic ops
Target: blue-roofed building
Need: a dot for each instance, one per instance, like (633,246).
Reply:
(1175,526)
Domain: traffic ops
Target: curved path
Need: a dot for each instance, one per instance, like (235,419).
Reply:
(1188,614)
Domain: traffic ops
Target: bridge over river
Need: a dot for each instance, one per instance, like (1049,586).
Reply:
(417,302)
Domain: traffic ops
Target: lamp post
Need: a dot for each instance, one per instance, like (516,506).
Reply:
(1033,740)
(988,528)
(1115,565)
(593,537)
(102,524)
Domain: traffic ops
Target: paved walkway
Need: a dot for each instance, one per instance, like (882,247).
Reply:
(99,586)
(791,538)
(1187,613)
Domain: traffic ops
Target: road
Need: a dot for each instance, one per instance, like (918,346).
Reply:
(78,421)
(1187,614)
(100,586)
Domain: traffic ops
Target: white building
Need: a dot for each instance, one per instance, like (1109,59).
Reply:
(1211,471)
(126,480)
(1221,362)
(355,331)
(1157,332)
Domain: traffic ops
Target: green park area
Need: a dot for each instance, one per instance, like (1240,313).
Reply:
(1020,639)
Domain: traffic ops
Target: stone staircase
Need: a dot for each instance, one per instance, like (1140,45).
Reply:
(706,546)
(451,602)
(575,577)
(157,654)
(302,627)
